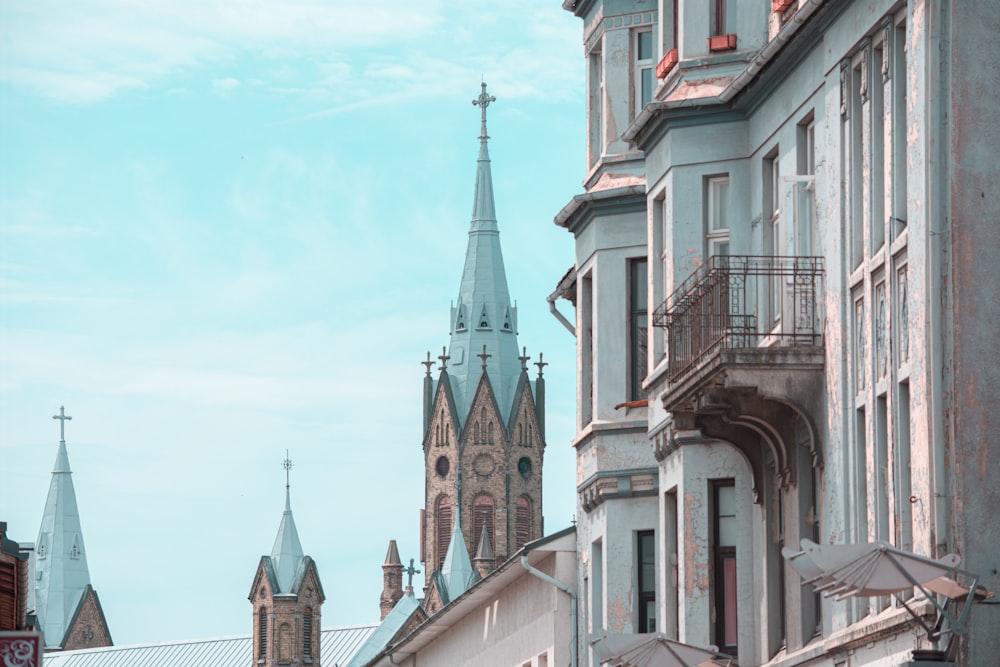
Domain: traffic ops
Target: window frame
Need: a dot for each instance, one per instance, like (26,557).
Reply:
(645,590)
(643,69)
(724,564)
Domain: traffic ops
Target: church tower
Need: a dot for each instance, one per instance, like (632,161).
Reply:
(483,416)
(286,596)
(68,609)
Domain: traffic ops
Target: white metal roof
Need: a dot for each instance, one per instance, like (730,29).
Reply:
(337,646)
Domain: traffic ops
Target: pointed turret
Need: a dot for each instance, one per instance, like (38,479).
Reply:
(483,314)
(392,580)
(62,576)
(456,572)
(287,551)
(484,560)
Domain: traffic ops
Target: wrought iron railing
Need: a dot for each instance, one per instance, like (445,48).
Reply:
(740,301)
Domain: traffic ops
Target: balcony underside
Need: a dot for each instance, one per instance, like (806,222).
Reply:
(761,400)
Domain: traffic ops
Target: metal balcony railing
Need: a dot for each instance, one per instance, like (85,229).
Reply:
(740,301)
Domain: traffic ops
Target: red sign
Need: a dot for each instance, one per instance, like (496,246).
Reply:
(20,649)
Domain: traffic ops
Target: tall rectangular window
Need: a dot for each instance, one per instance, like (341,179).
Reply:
(597,583)
(638,328)
(595,106)
(878,218)
(717,215)
(773,245)
(643,68)
(585,314)
(898,110)
(855,182)
(646,568)
(724,564)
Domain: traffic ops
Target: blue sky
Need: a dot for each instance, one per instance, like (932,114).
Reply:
(232,227)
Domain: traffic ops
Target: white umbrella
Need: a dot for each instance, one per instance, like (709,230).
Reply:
(654,649)
(875,568)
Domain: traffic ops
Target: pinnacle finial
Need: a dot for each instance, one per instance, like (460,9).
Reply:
(287,465)
(428,363)
(63,418)
(541,364)
(482,102)
(444,358)
(524,358)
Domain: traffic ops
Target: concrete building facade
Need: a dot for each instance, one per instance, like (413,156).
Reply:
(804,185)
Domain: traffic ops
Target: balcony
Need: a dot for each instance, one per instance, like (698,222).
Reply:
(741,302)
(745,359)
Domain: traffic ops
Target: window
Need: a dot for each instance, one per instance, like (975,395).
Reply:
(717,216)
(643,85)
(262,632)
(522,523)
(442,517)
(595,106)
(646,568)
(638,328)
(724,564)
(307,621)
(804,189)
(772,215)
(898,109)
(482,517)
(721,17)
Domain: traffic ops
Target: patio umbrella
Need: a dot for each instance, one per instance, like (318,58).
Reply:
(650,650)
(875,568)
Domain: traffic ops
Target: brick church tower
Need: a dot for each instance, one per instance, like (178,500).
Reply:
(483,416)
(286,596)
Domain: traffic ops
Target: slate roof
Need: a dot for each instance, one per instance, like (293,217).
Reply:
(337,646)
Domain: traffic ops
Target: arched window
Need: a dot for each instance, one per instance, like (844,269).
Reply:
(307,633)
(443,518)
(522,522)
(482,515)
(285,648)
(262,625)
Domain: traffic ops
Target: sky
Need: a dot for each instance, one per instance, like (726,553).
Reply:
(234,227)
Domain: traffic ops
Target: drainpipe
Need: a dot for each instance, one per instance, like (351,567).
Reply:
(572,601)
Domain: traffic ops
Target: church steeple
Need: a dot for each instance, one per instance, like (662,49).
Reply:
(483,439)
(483,313)
(286,596)
(62,587)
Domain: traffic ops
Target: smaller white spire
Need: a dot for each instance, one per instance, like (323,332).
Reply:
(456,571)
(287,551)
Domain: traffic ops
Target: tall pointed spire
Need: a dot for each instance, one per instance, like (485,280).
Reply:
(62,573)
(287,551)
(483,313)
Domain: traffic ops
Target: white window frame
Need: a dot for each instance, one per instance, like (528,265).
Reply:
(642,67)
(716,215)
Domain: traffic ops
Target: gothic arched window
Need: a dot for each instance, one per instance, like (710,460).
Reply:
(482,516)
(522,522)
(443,518)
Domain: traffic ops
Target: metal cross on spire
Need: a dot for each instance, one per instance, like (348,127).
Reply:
(483,101)
(62,417)
(287,465)
(524,358)
(484,356)
(444,358)
(410,571)
(428,363)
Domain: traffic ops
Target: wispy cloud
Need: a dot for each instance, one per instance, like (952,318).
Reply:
(329,51)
